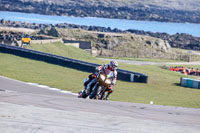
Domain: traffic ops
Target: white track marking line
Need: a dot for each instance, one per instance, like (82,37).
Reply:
(42,86)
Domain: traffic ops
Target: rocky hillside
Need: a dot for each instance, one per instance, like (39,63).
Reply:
(183,41)
(103,43)
(115,44)
(152,10)
(121,44)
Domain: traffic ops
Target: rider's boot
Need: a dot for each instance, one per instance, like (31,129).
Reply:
(80,94)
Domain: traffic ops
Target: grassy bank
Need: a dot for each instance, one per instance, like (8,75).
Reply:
(162,88)
(59,48)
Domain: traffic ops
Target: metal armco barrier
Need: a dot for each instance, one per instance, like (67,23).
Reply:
(123,75)
(191,83)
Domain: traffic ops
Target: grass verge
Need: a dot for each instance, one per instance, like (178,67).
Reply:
(40,72)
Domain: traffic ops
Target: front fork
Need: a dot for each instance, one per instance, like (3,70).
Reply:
(87,89)
(93,94)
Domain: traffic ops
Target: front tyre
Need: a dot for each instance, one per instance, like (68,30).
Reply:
(84,95)
(93,94)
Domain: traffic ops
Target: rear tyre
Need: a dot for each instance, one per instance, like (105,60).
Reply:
(99,93)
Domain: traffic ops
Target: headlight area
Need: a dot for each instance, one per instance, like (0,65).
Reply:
(108,81)
(102,77)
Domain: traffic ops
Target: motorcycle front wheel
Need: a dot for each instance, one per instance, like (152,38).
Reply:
(84,95)
(93,94)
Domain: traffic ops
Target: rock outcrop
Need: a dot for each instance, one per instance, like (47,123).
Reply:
(183,41)
(50,31)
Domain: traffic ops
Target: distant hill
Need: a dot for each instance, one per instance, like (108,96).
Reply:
(152,10)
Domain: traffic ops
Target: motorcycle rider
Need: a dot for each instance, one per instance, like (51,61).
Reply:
(112,67)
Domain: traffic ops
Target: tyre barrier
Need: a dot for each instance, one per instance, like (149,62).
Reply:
(191,83)
(123,75)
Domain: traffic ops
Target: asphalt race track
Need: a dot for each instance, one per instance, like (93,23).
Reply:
(25,108)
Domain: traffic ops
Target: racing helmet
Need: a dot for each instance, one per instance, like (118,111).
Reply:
(113,65)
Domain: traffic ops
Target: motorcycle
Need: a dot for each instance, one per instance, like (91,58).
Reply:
(99,87)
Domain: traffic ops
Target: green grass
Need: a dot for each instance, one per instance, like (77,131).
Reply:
(162,89)
(59,48)
(40,72)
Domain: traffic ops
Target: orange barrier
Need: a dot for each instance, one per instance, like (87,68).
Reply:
(26,40)
(186,71)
